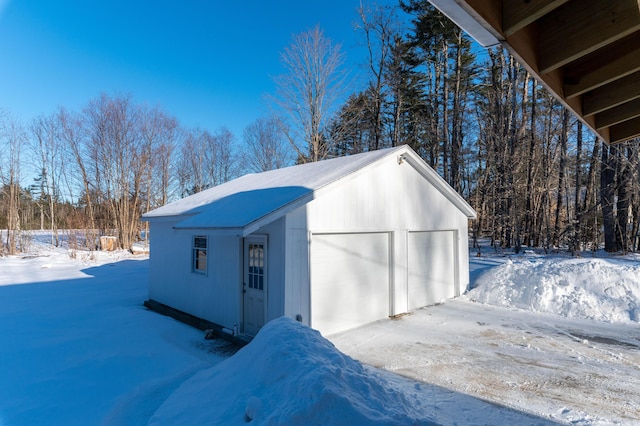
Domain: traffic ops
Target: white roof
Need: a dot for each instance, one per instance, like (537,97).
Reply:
(247,199)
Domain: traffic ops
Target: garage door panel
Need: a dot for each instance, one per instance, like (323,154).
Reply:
(431,267)
(349,280)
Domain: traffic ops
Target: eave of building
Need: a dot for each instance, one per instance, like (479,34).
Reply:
(585,52)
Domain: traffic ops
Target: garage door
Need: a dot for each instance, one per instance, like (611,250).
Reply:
(349,280)
(431,267)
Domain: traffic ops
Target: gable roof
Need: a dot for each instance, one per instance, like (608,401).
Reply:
(254,200)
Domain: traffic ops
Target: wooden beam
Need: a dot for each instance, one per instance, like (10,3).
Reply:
(611,95)
(581,27)
(522,48)
(490,12)
(596,60)
(618,114)
(583,51)
(605,134)
(609,71)
(624,131)
(517,14)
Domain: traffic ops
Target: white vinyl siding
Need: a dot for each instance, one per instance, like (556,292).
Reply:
(338,243)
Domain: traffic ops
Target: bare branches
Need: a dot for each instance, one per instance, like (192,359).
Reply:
(266,147)
(122,157)
(206,160)
(379,26)
(47,147)
(12,138)
(308,93)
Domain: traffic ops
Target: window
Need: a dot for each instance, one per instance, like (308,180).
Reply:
(256,266)
(199,261)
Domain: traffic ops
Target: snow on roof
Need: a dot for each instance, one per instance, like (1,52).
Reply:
(239,202)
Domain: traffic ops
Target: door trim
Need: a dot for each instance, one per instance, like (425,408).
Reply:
(254,239)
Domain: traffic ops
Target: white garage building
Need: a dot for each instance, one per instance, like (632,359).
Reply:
(335,244)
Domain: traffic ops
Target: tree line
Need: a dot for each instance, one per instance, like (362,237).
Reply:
(100,168)
(533,172)
(535,175)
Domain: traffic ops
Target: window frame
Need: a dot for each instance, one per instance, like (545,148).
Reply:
(256,266)
(199,255)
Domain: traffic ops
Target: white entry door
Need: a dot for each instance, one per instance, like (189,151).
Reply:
(254,284)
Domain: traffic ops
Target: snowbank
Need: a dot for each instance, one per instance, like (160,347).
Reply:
(289,374)
(599,289)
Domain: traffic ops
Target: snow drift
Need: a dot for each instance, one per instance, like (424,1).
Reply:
(590,288)
(288,374)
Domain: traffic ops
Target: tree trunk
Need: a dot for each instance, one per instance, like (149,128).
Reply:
(575,244)
(456,125)
(623,178)
(561,174)
(529,217)
(607,195)
(445,112)
(13,222)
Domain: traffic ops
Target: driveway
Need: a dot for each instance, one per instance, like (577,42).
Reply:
(570,371)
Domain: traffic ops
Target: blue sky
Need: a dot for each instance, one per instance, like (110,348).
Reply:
(207,62)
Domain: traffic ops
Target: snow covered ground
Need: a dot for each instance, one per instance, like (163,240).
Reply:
(554,336)
(78,347)
(539,340)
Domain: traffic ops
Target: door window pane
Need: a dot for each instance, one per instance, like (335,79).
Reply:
(256,266)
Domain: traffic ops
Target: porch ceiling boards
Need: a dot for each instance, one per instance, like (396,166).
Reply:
(586,52)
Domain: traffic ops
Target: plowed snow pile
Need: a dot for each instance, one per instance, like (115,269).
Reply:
(289,374)
(590,288)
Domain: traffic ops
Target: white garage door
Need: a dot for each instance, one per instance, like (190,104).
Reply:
(431,267)
(349,280)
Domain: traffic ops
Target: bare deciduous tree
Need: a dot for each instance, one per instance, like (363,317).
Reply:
(160,136)
(48,150)
(12,139)
(206,160)
(379,25)
(265,146)
(123,157)
(191,163)
(308,93)
(221,159)
(71,129)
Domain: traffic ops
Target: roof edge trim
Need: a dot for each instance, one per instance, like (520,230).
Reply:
(439,183)
(467,21)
